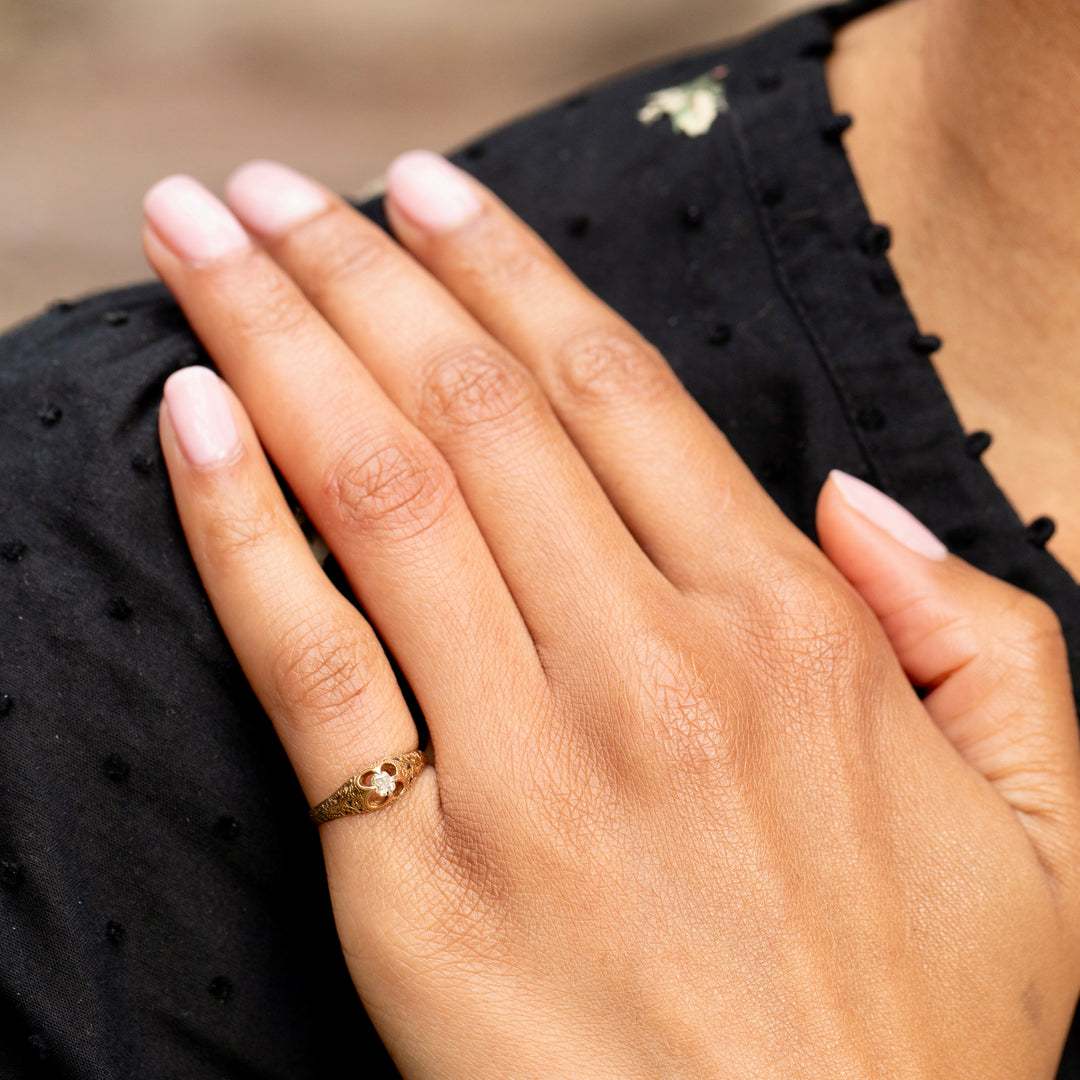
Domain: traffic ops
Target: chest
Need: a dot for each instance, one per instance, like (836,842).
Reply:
(1035,453)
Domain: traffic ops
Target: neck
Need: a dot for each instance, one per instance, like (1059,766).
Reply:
(967,144)
(1001,85)
(968,121)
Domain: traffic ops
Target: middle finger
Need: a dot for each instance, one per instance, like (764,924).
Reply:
(381,496)
(520,472)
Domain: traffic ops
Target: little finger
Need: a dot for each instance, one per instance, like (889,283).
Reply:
(379,493)
(315,664)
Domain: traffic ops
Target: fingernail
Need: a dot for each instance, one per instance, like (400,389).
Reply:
(197,226)
(272,198)
(431,191)
(889,515)
(200,415)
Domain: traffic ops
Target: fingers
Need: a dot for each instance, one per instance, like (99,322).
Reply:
(667,469)
(315,664)
(992,656)
(483,411)
(378,492)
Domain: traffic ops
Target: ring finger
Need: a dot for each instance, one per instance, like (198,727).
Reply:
(565,554)
(381,496)
(315,664)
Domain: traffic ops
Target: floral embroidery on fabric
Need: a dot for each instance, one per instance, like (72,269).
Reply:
(693,107)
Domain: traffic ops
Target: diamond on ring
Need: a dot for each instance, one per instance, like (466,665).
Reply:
(383,783)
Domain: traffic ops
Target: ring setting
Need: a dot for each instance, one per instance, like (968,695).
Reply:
(373,788)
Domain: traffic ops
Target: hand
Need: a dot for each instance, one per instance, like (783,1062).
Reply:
(687,817)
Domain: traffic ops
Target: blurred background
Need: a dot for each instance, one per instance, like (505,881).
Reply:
(100,98)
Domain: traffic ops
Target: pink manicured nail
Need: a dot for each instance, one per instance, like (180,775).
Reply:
(201,417)
(431,191)
(197,226)
(889,515)
(271,198)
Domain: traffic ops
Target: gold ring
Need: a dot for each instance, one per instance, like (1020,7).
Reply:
(372,788)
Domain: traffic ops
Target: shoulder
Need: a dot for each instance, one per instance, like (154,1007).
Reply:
(644,185)
(637,142)
(649,143)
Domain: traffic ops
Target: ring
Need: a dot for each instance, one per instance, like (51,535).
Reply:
(372,788)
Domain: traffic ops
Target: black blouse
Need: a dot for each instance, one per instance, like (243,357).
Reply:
(163,911)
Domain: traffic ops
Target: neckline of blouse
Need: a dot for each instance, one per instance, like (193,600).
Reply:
(865,335)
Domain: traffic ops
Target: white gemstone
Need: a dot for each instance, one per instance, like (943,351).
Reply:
(383,783)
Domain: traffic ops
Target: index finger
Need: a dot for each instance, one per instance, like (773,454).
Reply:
(670,472)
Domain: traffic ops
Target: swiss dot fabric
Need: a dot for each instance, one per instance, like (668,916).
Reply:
(163,910)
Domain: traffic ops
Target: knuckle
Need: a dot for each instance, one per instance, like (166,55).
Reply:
(273,308)
(685,707)
(506,259)
(469,387)
(799,616)
(390,488)
(1037,618)
(324,674)
(605,366)
(229,537)
(338,249)
(814,654)
(1032,631)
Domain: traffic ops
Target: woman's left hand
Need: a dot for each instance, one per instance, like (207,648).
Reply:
(687,816)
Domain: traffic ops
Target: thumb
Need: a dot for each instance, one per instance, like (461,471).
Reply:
(991,656)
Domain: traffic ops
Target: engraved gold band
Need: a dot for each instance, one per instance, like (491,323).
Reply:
(372,788)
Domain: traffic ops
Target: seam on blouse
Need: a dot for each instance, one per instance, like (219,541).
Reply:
(790,296)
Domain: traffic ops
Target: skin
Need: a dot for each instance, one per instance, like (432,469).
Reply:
(966,144)
(687,816)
